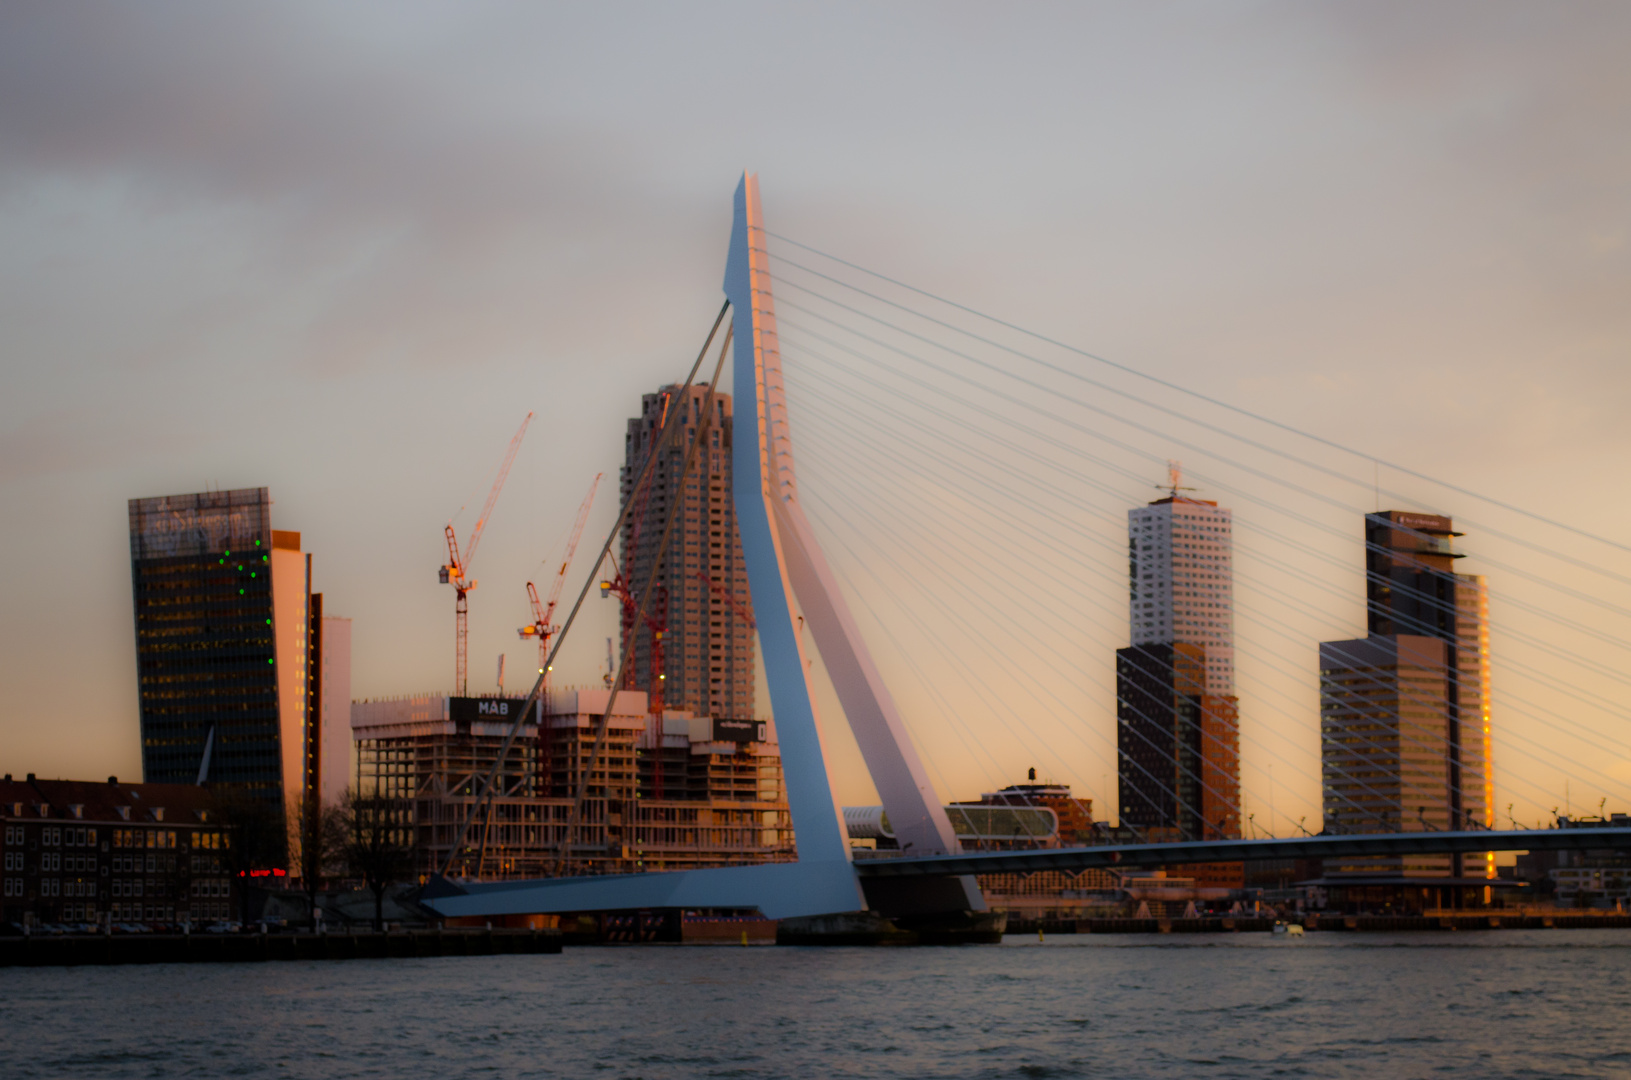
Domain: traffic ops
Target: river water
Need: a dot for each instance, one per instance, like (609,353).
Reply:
(1503,1003)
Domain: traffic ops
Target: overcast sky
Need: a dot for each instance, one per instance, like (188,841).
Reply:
(341,250)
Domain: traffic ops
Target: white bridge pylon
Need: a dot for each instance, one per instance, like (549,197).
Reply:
(790,578)
(785,561)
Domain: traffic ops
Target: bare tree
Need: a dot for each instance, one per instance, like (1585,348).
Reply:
(378,845)
(317,838)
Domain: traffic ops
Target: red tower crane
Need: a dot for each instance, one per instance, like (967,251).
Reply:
(457,570)
(736,605)
(656,622)
(541,628)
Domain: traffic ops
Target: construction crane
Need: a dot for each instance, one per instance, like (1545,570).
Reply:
(736,605)
(541,628)
(656,621)
(655,618)
(456,572)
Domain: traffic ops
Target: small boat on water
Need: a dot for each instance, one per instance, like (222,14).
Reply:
(1288,929)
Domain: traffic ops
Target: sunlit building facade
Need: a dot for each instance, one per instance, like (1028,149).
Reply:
(1177,715)
(1405,711)
(701,598)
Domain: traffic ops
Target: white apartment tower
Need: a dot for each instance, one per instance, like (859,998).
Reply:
(1180,553)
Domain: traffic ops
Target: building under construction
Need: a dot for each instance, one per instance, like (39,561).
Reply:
(693,645)
(723,803)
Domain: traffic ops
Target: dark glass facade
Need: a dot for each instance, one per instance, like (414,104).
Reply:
(205,646)
(1179,746)
(1410,581)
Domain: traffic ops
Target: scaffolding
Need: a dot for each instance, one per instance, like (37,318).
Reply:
(723,805)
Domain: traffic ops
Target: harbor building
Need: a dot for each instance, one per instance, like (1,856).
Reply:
(80,852)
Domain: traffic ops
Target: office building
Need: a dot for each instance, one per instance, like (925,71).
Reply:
(1384,733)
(1404,713)
(1074,813)
(228,639)
(694,651)
(1177,716)
(336,767)
(1412,588)
(1179,747)
(1181,588)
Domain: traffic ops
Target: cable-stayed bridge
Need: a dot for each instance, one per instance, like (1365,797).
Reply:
(982,434)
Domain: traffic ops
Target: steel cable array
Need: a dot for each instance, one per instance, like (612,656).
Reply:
(1043,420)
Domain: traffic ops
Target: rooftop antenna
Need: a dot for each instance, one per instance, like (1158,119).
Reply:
(1175,479)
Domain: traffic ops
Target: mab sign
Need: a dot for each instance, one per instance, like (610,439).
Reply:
(462,710)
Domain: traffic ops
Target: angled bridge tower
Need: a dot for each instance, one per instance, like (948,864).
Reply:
(790,578)
(785,561)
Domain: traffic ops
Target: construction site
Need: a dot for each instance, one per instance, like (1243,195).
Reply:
(722,804)
(664,767)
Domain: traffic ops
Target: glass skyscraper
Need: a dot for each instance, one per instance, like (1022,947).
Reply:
(223,614)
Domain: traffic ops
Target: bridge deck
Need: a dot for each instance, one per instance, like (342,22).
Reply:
(1302,847)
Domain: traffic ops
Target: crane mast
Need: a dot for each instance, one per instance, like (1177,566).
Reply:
(542,628)
(655,619)
(735,605)
(457,570)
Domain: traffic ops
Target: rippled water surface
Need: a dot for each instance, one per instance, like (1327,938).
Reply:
(1495,1004)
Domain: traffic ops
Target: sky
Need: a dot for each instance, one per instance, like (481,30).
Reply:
(342,251)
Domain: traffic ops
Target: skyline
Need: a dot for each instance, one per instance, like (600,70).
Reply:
(242,247)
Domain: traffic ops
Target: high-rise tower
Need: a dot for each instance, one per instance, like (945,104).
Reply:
(1181,554)
(701,601)
(1177,713)
(1405,724)
(1412,588)
(224,632)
